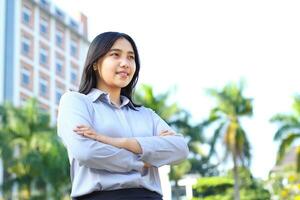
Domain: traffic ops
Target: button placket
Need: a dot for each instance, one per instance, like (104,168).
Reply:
(124,122)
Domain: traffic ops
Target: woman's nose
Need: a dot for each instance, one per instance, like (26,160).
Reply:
(124,62)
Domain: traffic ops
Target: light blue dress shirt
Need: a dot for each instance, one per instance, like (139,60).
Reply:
(97,166)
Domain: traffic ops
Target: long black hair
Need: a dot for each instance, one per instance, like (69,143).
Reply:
(99,47)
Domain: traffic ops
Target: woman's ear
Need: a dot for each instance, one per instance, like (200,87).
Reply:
(95,66)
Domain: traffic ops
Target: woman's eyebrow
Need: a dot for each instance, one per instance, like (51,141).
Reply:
(119,50)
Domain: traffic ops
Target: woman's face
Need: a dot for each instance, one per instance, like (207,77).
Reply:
(117,67)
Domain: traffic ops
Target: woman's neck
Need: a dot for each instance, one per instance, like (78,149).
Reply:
(114,94)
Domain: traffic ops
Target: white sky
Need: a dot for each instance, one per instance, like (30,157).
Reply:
(197,44)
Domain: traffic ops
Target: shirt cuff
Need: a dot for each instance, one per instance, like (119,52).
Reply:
(145,146)
(136,165)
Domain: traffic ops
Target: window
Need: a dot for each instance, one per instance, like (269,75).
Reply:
(25,46)
(74,24)
(23,99)
(44,26)
(43,56)
(43,87)
(25,77)
(73,76)
(60,14)
(26,15)
(59,38)
(44,4)
(74,48)
(58,94)
(59,66)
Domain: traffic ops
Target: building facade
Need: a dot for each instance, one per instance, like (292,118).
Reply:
(43,51)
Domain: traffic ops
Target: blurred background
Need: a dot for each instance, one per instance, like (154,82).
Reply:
(222,73)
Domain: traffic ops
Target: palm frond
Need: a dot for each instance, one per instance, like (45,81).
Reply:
(243,146)
(284,130)
(284,119)
(215,137)
(285,145)
(296,105)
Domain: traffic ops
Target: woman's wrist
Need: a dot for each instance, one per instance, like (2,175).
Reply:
(126,143)
(117,142)
(101,138)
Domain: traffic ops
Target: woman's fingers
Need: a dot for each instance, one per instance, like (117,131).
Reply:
(84,130)
(147,165)
(163,132)
(166,133)
(81,126)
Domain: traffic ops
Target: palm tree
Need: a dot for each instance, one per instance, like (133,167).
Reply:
(194,132)
(180,120)
(159,103)
(170,113)
(288,131)
(33,157)
(226,116)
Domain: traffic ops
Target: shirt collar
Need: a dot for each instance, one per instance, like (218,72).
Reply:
(96,94)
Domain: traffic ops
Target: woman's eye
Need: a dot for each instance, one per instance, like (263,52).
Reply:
(131,57)
(115,54)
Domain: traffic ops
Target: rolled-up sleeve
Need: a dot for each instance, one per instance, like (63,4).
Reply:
(74,109)
(162,150)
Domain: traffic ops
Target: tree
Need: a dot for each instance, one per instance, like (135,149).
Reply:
(226,116)
(199,159)
(180,120)
(159,103)
(168,112)
(220,188)
(288,131)
(32,154)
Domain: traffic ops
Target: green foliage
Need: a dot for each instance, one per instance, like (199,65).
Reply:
(231,106)
(177,171)
(285,183)
(159,103)
(179,119)
(288,131)
(222,187)
(33,157)
(208,186)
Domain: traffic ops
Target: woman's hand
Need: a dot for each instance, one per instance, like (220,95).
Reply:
(87,131)
(131,144)
(125,143)
(166,133)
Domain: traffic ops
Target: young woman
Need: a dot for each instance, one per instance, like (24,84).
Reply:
(114,145)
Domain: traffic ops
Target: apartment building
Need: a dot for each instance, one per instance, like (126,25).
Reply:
(43,51)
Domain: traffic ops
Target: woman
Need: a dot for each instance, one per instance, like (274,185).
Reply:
(114,145)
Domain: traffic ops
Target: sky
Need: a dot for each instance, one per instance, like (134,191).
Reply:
(195,45)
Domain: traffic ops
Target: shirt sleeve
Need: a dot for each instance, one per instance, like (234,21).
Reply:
(74,109)
(162,150)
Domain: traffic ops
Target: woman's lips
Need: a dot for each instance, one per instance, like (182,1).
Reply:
(123,74)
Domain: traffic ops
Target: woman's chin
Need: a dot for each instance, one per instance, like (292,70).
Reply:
(122,85)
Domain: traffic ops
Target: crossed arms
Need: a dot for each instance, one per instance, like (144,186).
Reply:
(95,150)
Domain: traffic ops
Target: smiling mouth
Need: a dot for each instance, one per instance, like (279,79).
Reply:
(123,74)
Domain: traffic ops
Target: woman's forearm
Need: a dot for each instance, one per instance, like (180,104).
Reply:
(130,144)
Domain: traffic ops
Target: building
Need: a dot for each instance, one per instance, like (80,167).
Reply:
(43,51)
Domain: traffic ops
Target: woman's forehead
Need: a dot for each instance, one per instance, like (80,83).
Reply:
(122,44)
